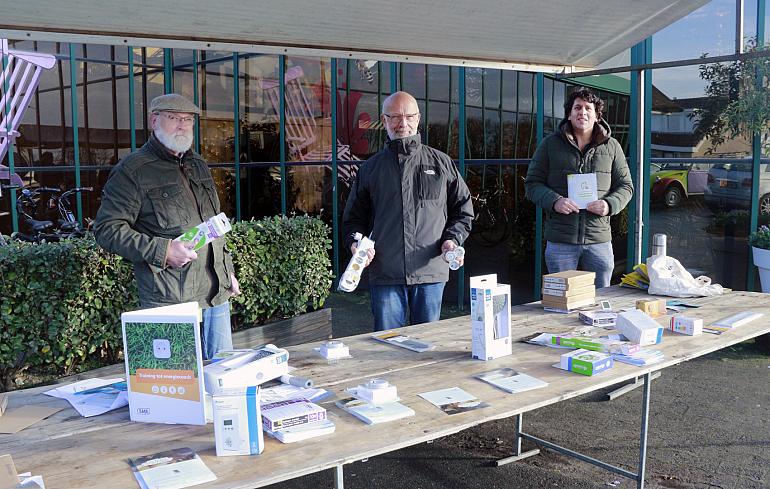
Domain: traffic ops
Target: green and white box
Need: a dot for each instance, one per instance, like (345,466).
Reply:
(490,318)
(213,228)
(164,364)
(586,362)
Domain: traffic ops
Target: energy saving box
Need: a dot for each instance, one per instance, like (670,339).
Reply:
(206,232)
(639,328)
(164,364)
(246,369)
(686,325)
(238,422)
(586,362)
(490,318)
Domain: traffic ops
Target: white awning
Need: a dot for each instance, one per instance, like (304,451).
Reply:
(540,35)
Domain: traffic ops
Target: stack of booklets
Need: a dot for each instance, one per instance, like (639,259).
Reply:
(640,358)
(173,469)
(732,322)
(565,291)
(294,420)
(374,413)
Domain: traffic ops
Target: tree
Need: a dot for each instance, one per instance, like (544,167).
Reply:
(739,98)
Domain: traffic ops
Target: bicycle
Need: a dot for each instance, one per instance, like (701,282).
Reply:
(491,224)
(29,205)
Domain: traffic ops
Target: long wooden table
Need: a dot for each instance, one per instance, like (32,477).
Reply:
(74,452)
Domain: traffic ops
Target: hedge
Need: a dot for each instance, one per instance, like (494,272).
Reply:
(60,303)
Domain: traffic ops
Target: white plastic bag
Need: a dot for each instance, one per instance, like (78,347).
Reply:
(669,277)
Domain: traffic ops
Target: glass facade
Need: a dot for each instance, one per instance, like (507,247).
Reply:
(274,147)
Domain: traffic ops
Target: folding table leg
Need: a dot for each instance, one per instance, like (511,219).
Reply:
(517,455)
(339,482)
(643,431)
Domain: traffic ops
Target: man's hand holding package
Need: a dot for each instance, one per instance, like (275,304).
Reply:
(369,253)
(450,245)
(180,254)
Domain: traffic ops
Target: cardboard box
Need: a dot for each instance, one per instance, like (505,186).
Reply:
(569,278)
(490,318)
(238,422)
(586,362)
(603,345)
(686,325)
(280,415)
(652,307)
(164,364)
(569,302)
(639,328)
(246,369)
(585,291)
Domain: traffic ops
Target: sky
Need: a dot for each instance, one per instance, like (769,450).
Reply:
(708,30)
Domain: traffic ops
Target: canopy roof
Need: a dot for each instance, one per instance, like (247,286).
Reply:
(552,35)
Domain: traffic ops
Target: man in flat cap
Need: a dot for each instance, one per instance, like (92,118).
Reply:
(154,195)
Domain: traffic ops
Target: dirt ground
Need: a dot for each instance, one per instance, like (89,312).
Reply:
(709,428)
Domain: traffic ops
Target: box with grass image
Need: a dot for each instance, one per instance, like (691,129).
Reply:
(164,363)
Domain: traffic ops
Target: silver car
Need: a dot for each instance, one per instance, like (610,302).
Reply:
(729,187)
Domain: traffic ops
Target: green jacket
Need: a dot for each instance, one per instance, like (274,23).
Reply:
(150,198)
(558,156)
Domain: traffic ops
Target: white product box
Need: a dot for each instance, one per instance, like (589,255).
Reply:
(686,325)
(164,361)
(280,415)
(246,369)
(490,318)
(238,422)
(377,391)
(639,328)
(202,234)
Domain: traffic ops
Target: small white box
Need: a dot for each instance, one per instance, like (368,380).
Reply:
(490,318)
(377,391)
(639,328)
(238,422)
(686,325)
(246,369)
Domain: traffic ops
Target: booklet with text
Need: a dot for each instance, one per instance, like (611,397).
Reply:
(374,413)
(582,189)
(172,469)
(510,380)
(398,339)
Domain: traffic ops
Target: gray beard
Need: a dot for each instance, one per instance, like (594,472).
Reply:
(177,144)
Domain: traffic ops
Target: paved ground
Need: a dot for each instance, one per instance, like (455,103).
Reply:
(710,428)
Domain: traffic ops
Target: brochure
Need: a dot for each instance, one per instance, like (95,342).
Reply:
(303,431)
(398,339)
(374,413)
(92,397)
(453,400)
(173,469)
(582,188)
(510,380)
(641,358)
(285,392)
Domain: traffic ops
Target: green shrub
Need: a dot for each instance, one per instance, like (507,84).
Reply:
(282,265)
(60,305)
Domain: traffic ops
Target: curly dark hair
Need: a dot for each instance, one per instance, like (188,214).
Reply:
(588,96)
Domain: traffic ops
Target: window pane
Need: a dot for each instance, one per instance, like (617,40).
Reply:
(492,88)
(710,29)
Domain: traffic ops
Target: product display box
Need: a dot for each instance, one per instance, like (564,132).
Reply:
(686,325)
(238,422)
(652,307)
(605,345)
(490,318)
(281,415)
(164,364)
(246,369)
(586,362)
(639,328)
(568,290)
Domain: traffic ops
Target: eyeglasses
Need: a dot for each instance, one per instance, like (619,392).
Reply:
(190,120)
(398,117)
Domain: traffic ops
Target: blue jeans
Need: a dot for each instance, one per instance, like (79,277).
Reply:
(217,332)
(591,258)
(391,302)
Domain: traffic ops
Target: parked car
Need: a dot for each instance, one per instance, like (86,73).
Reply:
(729,187)
(672,183)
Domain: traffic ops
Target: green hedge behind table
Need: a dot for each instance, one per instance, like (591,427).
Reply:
(60,303)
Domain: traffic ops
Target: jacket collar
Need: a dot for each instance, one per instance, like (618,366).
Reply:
(600,135)
(405,146)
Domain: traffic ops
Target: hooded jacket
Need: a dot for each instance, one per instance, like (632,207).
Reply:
(150,198)
(411,198)
(558,156)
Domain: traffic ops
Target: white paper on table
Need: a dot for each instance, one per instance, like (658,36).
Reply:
(88,405)
(285,392)
(27,480)
(582,188)
(447,396)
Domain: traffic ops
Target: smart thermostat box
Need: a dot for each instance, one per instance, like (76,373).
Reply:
(238,422)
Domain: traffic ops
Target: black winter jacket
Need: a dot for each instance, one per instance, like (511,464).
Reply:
(412,198)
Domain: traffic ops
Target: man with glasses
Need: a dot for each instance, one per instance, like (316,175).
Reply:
(151,197)
(578,232)
(414,204)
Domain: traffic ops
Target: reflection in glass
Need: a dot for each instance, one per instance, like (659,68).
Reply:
(710,29)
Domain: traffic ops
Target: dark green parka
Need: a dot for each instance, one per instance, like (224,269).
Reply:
(558,156)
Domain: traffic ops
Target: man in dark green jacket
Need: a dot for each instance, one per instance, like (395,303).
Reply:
(578,233)
(153,196)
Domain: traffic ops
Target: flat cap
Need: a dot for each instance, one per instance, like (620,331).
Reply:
(173,102)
